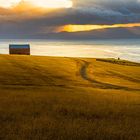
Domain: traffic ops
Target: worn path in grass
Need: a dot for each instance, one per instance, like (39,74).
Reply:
(84,74)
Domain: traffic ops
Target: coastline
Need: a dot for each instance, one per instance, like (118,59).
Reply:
(126,49)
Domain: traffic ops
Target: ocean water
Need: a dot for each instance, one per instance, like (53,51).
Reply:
(128,49)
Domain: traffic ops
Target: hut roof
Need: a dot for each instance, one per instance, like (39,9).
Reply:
(18,46)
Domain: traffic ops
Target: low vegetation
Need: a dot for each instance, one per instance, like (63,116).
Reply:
(49,98)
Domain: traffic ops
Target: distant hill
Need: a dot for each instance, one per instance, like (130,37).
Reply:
(114,33)
(98,34)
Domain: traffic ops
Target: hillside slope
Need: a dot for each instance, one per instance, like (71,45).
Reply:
(69,98)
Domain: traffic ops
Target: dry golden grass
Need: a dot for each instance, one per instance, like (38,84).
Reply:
(48,98)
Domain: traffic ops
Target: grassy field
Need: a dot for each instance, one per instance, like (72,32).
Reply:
(48,98)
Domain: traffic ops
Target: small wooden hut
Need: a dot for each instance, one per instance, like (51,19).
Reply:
(20,49)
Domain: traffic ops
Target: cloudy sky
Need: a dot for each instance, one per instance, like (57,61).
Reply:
(35,18)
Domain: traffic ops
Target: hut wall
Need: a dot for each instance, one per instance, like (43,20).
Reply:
(20,51)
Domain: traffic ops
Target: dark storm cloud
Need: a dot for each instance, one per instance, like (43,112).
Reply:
(83,12)
(109,11)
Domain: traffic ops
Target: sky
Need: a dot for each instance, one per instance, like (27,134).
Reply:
(34,19)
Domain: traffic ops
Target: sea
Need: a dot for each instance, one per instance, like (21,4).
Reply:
(127,49)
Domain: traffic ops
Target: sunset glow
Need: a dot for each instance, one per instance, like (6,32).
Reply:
(8,3)
(38,3)
(80,28)
(51,3)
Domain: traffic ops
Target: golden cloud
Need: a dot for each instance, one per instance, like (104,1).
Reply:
(80,28)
